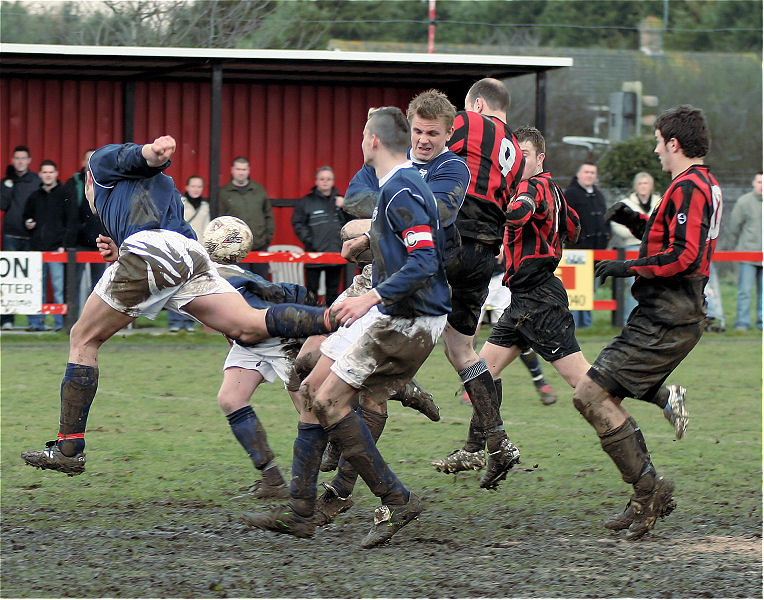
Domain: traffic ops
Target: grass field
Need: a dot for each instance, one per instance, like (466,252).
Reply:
(153,515)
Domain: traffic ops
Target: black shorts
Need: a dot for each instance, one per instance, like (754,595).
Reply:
(638,360)
(469,273)
(539,319)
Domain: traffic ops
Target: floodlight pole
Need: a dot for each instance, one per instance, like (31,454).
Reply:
(431,29)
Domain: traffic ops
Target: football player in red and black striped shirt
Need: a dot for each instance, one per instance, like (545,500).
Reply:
(484,140)
(671,272)
(539,220)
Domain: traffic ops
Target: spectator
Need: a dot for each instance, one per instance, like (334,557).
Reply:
(248,200)
(196,212)
(16,186)
(587,200)
(745,232)
(317,220)
(642,200)
(89,228)
(52,221)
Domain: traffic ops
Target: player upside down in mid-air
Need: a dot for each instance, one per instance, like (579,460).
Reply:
(156,262)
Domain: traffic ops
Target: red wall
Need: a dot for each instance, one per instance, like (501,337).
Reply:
(287,131)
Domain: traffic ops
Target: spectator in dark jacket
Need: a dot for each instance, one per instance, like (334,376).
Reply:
(588,201)
(52,222)
(317,220)
(16,186)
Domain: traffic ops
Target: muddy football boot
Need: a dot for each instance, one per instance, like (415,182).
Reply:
(261,490)
(52,458)
(389,518)
(281,519)
(413,396)
(460,460)
(622,520)
(499,464)
(547,394)
(329,505)
(331,457)
(649,507)
(676,411)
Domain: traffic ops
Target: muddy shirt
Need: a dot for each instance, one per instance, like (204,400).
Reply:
(675,255)
(408,246)
(131,196)
(258,291)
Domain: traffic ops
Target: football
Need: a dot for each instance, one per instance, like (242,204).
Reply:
(227,239)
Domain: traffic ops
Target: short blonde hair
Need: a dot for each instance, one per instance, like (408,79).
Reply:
(642,175)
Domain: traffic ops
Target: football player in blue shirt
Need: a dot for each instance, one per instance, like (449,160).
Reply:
(401,318)
(156,262)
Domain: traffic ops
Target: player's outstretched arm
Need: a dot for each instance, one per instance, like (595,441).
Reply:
(159,151)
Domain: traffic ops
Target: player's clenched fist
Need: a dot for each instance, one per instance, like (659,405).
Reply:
(159,151)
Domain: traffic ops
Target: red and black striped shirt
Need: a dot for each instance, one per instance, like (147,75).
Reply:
(538,221)
(495,163)
(680,236)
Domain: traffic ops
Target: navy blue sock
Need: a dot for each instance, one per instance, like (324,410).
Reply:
(295,321)
(78,389)
(359,449)
(250,433)
(306,459)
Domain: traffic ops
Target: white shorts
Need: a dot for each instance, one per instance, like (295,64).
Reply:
(271,358)
(156,269)
(379,353)
(497,300)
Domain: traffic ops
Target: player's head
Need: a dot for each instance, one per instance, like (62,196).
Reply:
(533,147)
(431,117)
(488,95)
(48,172)
(240,170)
(386,128)
(325,180)
(682,129)
(194,186)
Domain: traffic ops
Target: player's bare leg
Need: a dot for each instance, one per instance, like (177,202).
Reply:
(98,323)
(234,400)
(230,314)
(623,441)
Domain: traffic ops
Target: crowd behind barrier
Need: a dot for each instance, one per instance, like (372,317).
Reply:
(72,258)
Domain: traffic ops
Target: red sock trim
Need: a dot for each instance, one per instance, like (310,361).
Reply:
(71,436)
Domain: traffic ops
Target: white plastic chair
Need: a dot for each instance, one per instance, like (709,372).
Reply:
(287,272)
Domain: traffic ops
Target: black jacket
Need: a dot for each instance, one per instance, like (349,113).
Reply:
(14,192)
(591,207)
(317,222)
(56,219)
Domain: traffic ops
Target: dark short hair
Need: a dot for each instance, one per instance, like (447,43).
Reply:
(532,135)
(391,127)
(432,105)
(687,125)
(22,149)
(194,177)
(493,91)
(324,168)
(240,159)
(48,163)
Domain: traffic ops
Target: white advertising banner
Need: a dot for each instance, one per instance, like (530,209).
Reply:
(20,283)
